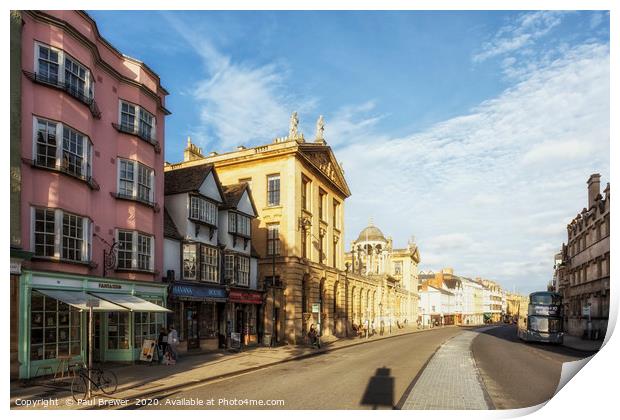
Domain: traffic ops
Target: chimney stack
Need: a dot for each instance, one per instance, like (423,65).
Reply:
(594,188)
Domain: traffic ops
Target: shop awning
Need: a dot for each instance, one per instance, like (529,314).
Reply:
(131,302)
(80,300)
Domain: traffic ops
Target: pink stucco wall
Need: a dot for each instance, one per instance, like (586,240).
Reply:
(51,189)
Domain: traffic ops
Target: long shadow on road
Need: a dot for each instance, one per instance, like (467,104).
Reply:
(509,332)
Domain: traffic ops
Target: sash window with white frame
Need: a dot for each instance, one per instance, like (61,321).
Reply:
(137,120)
(273,190)
(74,156)
(209,264)
(135,250)
(75,77)
(135,180)
(203,210)
(229,267)
(273,239)
(243,271)
(59,234)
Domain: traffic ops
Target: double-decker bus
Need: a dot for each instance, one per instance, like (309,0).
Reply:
(541,320)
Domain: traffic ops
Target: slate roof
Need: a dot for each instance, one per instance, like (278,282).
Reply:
(233,194)
(186,179)
(170,229)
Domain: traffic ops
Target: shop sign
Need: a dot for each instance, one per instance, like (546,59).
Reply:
(16,267)
(148,348)
(235,340)
(242,296)
(198,292)
(109,286)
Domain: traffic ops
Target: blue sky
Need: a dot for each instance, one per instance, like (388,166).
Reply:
(473,131)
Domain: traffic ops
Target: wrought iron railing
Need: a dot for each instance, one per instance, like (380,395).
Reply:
(66,87)
(135,131)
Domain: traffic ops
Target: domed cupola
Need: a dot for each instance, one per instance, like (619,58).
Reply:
(371,234)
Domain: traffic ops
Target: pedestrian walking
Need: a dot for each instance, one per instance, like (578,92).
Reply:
(162,342)
(172,341)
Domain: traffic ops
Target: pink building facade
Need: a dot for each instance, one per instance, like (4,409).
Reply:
(92,193)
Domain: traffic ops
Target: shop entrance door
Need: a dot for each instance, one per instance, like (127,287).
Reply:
(240,321)
(191,326)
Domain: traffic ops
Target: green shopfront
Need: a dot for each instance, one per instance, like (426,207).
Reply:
(53,319)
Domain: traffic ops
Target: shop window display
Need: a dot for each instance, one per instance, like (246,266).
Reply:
(55,328)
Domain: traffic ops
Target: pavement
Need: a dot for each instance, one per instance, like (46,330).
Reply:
(579,343)
(451,380)
(140,380)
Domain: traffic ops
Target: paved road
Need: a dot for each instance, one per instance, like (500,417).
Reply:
(518,374)
(373,375)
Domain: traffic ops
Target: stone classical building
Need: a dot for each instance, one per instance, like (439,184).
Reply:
(394,270)
(299,190)
(583,275)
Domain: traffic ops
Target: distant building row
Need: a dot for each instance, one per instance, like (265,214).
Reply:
(448,299)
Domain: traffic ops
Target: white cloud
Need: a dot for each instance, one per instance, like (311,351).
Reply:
(490,192)
(524,32)
(240,103)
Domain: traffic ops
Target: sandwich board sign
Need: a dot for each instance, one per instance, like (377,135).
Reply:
(148,348)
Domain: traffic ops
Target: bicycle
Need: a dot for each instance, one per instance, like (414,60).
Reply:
(103,380)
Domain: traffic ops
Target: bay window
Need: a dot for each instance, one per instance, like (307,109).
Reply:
(201,262)
(59,234)
(136,120)
(237,269)
(135,250)
(72,156)
(203,210)
(238,224)
(189,261)
(243,273)
(135,181)
(76,78)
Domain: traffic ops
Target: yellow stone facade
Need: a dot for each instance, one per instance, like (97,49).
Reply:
(312,285)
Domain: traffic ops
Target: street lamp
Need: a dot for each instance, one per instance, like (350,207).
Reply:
(273,301)
(346,297)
